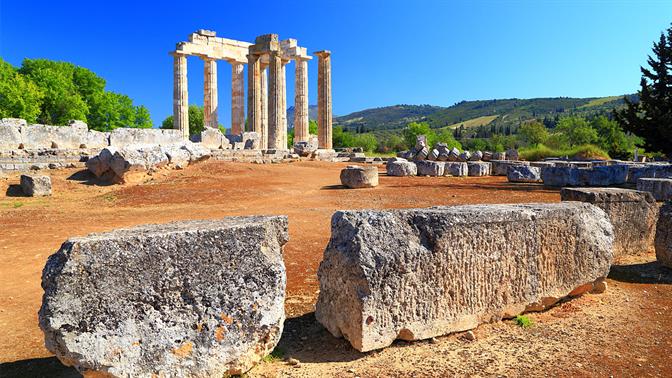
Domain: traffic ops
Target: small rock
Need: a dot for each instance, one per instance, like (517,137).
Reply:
(599,287)
(470,336)
(293,361)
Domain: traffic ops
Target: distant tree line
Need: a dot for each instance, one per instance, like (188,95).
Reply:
(52,92)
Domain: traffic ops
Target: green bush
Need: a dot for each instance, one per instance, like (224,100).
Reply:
(524,321)
(584,152)
(533,133)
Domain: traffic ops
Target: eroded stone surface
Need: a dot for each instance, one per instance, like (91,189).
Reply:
(456,168)
(193,298)
(355,177)
(419,273)
(430,168)
(523,173)
(632,213)
(36,185)
(661,188)
(663,241)
(479,168)
(401,168)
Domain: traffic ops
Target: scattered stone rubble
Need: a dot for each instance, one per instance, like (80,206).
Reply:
(192,298)
(420,273)
(632,213)
(356,177)
(36,185)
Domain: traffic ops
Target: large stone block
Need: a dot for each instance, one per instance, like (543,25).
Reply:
(632,213)
(663,241)
(456,168)
(45,136)
(401,168)
(185,299)
(211,138)
(560,176)
(123,137)
(133,162)
(10,134)
(501,167)
(652,170)
(606,175)
(479,168)
(661,188)
(251,140)
(420,273)
(36,185)
(100,164)
(523,173)
(355,177)
(430,168)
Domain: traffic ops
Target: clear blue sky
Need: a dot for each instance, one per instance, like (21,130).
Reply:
(384,52)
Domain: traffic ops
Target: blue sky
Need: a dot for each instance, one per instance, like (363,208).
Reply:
(384,52)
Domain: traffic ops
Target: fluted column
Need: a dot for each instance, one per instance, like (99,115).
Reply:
(237,98)
(264,108)
(301,122)
(180,95)
(275,102)
(210,93)
(324,110)
(254,93)
(283,104)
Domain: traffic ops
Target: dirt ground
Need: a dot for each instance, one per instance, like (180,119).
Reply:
(624,332)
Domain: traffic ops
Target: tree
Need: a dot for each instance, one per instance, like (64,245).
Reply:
(613,139)
(577,130)
(413,129)
(651,116)
(534,133)
(19,96)
(195,120)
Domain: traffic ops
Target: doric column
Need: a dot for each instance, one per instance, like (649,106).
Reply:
(324,111)
(237,98)
(180,95)
(275,102)
(254,93)
(264,107)
(301,122)
(210,93)
(283,104)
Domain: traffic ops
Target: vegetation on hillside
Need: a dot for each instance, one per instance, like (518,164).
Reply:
(651,115)
(54,93)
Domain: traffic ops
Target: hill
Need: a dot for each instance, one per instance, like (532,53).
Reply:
(312,114)
(496,113)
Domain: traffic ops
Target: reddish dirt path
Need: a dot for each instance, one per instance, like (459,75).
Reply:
(32,229)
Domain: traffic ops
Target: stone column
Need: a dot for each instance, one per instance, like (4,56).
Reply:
(210,93)
(275,102)
(180,95)
(237,98)
(283,104)
(324,118)
(264,108)
(301,122)
(254,93)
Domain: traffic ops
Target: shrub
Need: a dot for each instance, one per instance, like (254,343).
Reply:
(524,321)
(584,152)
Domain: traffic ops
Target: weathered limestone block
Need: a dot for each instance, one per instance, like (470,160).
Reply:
(355,177)
(36,185)
(211,138)
(606,175)
(499,156)
(100,164)
(45,136)
(560,176)
(95,139)
(252,140)
(456,168)
(13,122)
(10,134)
(430,168)
(134,162)
(420,154)
(661,188)
(454,154)
(122,137)
(479,168)
(184,299)
(487,156)
(632,213)
(443,151)
(306,148)
(652,170)
(197,151)
(401,168)
(465,156)
(501,167)
(433,155)
(178,157)
(523,173)
(420,273)
(663,240)
(542,164)
(476,156)
(512,154)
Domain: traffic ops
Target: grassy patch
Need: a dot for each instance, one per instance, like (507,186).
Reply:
(600,101)
(474,122)
(523,321)
(109,197)
(585,152)
(276,355)
(16,205)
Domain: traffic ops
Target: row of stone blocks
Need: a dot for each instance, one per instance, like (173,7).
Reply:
(205,298)
(403,167)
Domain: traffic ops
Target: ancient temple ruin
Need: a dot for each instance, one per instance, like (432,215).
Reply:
(266,59)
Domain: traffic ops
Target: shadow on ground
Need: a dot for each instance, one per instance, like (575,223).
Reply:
(49,367)
(87,178)
(650,273)
(15,190)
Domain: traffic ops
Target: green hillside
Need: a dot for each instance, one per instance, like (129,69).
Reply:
(499,113)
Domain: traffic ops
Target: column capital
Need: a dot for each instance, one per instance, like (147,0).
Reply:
(323,53)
